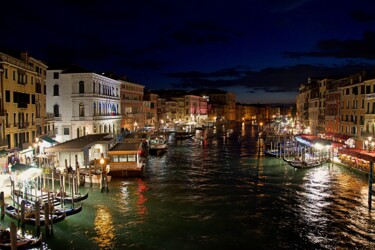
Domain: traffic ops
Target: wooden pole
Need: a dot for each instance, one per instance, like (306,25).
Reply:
(2,205)
(53,180)
(72,192)
(51,211)
(37,217)
(77,171)
(62,191)
(13,236)
(23,213)
(46,219)
(90,175)
(12,191)
(370,184)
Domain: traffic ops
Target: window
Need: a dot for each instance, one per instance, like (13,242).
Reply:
(7,96)
(131,158)
(55,75)
(66,131)
(81,109)
(81,87)
(55,90)
(56,110)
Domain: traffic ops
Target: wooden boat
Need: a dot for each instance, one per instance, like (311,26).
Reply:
(57,205)
(273,152)
(296,163)
(68,198)
(180,135)
(25,241)
(157,145)
(14,213)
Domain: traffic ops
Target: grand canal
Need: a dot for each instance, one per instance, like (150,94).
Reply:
(219,193)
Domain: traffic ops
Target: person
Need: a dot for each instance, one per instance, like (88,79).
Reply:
(5,168)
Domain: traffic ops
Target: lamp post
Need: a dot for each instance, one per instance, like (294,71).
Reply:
(103,180)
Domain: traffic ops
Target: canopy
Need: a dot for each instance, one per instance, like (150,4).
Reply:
(21,167)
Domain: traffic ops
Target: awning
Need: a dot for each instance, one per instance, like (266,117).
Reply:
(342,136)
(48,139)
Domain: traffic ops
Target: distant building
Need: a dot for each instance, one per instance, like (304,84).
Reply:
(132,105)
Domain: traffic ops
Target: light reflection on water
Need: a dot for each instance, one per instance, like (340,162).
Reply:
(104,228)
(223,193)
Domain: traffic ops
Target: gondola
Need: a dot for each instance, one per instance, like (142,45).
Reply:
(296,163)
(68,198)
(273,152)
(58,209)
(14,213)
(24,241)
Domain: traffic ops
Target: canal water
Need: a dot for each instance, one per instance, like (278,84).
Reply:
(221,192)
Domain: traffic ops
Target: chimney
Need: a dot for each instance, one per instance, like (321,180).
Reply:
(25,56)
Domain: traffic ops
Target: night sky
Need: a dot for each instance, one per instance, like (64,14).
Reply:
(261,50)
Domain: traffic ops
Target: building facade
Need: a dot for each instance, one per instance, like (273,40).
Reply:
(132,105)
(83,103)
(23,100)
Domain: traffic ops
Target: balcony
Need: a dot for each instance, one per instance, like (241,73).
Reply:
(23,125)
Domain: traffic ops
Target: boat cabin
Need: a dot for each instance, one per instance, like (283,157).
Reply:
(126,160)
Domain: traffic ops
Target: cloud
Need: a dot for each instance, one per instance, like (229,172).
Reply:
(270,80)
(351,48)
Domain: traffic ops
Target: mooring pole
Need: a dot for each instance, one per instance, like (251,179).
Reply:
(370,185)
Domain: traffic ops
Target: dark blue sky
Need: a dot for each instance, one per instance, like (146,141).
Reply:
(260,49)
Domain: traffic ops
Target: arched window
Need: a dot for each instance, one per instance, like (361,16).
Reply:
(93,87)
(81,109)
(84,131)
(56,110)
(55,90)
(78,132)
(105,128)
(37,111)
(94,106)
(81,87)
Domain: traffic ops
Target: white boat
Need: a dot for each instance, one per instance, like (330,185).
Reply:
(126,160)
(157,145)
(96,178)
